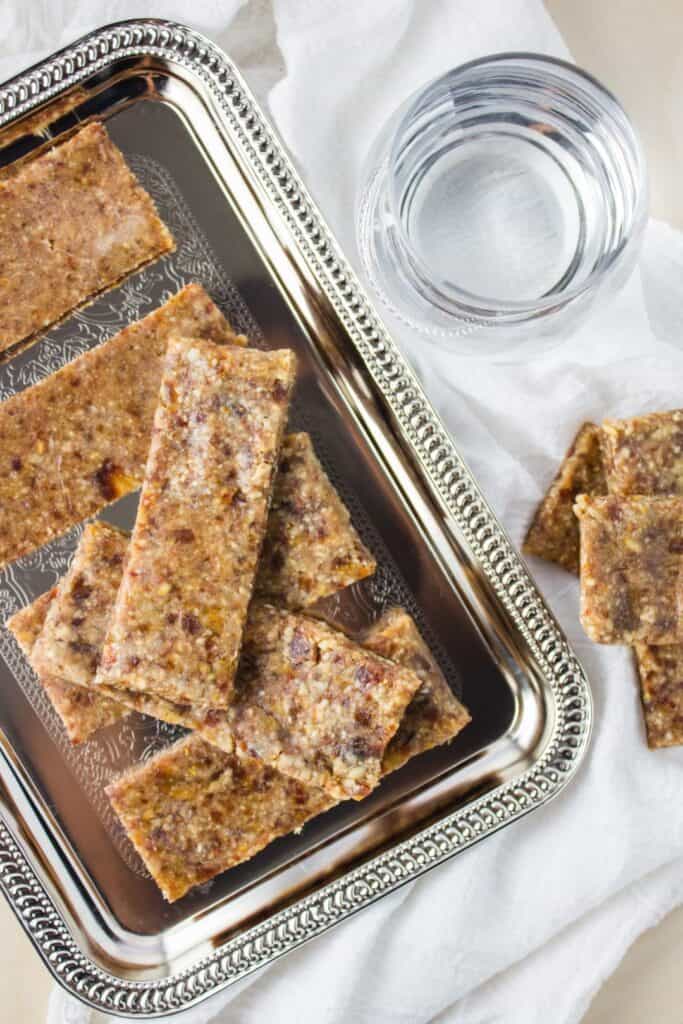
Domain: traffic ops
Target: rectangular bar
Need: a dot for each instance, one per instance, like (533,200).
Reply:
(434,716)
(311,548)
(193,811)
(312,703)
(177,624)
(79,439)
(630,568)
(660,669)
(644,455)
(185,810)
(82,711)
(554,530)
(73,222)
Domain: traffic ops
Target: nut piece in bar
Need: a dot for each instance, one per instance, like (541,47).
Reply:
(644,455)
(434,716)
(554,531)
(83,712)
(630,567)
(177,624)
(79,439)
(660,669)
(311,548)
(312,703)
(73,222)
(193,811)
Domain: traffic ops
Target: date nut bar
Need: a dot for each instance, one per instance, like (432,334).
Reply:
(630,568)
(79,439)
(193,811)
(554,530)
(311,548)
(82,711)
(312,703)
(177,624)
(434,715)
(660,669)
(644,455)
(73,222)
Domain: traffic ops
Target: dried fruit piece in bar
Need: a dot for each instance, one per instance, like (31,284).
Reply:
(193,811)
(311,548)
(312,703)
(79,439)
(83,712)
(177,624)
(630,568)
(73,222)
(661,686)
(434,716)
(554,530)
(644,455)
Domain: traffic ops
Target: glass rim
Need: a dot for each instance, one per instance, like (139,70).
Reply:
(451,298)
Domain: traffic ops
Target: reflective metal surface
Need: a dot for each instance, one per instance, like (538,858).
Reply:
(247,229)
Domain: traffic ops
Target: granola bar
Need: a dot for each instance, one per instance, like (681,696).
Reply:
(83,712)
(554,530)
(79,439)
(177,624)
(661,686)
(644,455)
(434,716)
(73,222)
(630,566)
(193,811)
(313,704)
(311,548)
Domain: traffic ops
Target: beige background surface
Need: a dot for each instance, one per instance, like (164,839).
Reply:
(636,48)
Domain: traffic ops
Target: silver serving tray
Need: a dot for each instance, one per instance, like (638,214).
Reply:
(247,229)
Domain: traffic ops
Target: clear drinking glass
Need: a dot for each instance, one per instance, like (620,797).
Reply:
(500,201)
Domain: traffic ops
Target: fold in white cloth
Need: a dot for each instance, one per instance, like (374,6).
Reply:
(525,926)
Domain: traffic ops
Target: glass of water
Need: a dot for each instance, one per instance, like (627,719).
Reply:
(501,201)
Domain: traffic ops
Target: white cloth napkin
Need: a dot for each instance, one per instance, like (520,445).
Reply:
(525,926)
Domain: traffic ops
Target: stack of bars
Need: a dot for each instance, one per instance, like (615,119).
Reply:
(203,617)
(614,514)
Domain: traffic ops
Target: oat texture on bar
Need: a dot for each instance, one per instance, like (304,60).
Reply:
(554,531)
(644,455)
(193,811)
(630,568)
(434,716)
(79,439)
(83,712)
(177,625)
(312,703)
(73,222)
(660,669)
(311,548)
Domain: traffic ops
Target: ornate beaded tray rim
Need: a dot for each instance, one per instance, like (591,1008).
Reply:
(507,577)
